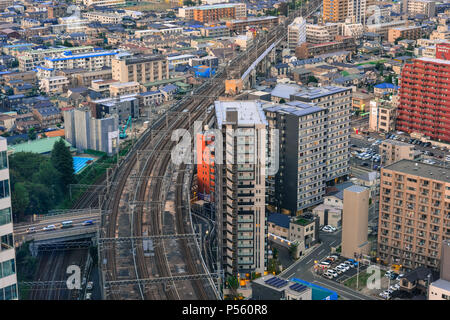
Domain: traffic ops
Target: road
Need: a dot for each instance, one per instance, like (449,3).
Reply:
(302,269)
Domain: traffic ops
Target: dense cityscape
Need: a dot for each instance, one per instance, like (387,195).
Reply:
(225,150)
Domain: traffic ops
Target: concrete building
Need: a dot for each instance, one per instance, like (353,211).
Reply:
(355,219)
(304,232)
(85,132)
(242,25)
(212,13)
(322,33)
(240,185)
(425,7)
(414,214)
(328,215)
(357,10)
(410,33)
(393,150)
(337,101)
(102,17)
(29,60)
(274,288)
(142,69)
(300,180)
(124,88)
(87,61)
(103,3)
(54,85)
(383,28)
(440,289)
(5,4)
(215,32)
(382,116)
(8,277)
(296,33)
(123,107)
(335,10)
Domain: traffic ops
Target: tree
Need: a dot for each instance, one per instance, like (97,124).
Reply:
(189,3)
(63,162)
(51,178)
(233,284)
(19,200)
(293,250)
(32,134)
(312,79)
(282,100)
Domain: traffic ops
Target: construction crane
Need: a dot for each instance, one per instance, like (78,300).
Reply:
(123,131)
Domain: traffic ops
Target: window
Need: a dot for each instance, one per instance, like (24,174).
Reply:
(7,268)
(5,216)
(3,160)
(4,188)
(6,242)
(8,293)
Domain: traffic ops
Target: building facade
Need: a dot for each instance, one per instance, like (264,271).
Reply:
(296,32)
(142,69)
(382,116)
(393,150)
(355,221)
(8,277)
(424,100)
(240,186)
(414,214)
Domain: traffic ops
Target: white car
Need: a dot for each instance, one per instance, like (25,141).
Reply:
(327,229)
(344,266)
(49,228)
(338,270)
(332,272)
(90,285)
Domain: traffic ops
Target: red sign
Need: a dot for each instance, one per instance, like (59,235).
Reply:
(443,51)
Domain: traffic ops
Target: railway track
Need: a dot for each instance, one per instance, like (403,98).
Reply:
(127,220)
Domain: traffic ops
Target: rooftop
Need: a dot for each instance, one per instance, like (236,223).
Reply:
(420,169)
(442,284)
(309,93)
(357,189)
(249,112)
(295,108)
(37,146)
(279,219)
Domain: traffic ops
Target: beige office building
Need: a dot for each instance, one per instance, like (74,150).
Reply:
(322,33)
(382,116)
(425,7)
(142,69)
(414,217)
(393,150)
(440,289)
(355,220)
(124,88)
(410,33)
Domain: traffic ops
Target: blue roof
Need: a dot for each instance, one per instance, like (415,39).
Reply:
(82,56)
(386,85)
(279,219)
(149,93)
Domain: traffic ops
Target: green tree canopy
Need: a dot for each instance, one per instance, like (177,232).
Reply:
(63,162)
(32,134)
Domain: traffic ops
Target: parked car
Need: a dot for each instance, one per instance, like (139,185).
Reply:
(90,285)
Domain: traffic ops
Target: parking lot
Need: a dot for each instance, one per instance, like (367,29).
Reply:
(342,275)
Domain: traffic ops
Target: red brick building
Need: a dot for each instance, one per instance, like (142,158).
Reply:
(424,103)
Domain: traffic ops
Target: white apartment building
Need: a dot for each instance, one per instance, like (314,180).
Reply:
(240,186)
(320,33)
(383,28)
(54,85)
(297,33)
(88,61)
(425,7)
(103,3)
(357,10)
(29,60)
(162,31)
(102,17)
(8,278)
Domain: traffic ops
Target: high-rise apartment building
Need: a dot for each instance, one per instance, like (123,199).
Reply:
(240,185)
(338,103)
(8,278)
(300,180)
(335,10)
(424,100)
(355,220)
(357,10)
(205,166)
(142,68)
(414,216)
(297,32)
(425,7)
(215,12)
(5,4)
